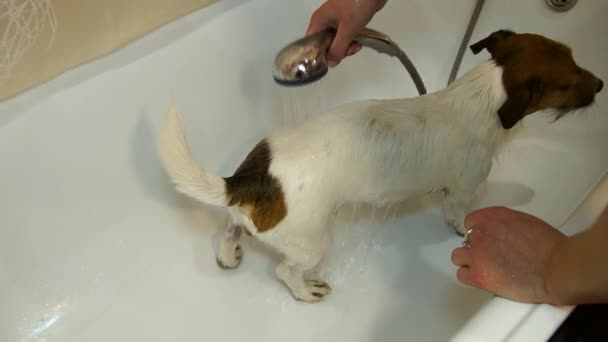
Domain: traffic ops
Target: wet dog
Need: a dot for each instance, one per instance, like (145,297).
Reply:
(380,151)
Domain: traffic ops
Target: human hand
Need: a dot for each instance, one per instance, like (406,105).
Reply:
(508,255)
(347,17)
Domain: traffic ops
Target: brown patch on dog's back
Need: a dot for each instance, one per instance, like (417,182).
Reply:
(254,189)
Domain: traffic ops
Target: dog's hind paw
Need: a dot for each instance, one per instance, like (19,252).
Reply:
(313,291)
(232,260)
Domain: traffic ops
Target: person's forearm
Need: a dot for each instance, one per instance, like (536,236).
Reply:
(578,270)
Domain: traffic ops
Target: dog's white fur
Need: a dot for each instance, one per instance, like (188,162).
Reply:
(375,151)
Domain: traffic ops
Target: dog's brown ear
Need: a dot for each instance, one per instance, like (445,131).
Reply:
(519,101)
(491,42)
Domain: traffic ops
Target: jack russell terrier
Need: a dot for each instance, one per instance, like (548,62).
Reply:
(380,151)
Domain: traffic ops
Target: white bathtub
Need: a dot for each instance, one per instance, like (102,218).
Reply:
(96,246)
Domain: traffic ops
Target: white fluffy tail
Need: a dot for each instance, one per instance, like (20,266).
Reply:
(184,171)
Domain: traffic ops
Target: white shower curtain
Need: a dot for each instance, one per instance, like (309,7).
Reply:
(40,39)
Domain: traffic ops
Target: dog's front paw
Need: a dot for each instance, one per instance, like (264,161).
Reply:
(458,226)
(313,291)
(230,260)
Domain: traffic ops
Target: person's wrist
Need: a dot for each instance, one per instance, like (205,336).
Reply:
(554,282)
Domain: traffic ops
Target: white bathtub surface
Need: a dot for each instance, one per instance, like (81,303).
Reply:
(96,246)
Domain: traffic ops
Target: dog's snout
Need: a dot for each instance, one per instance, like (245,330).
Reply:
(600,86)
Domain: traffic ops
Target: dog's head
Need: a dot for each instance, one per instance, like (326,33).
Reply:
(538,74)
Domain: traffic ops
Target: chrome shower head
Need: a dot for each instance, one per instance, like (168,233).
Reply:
(305,60)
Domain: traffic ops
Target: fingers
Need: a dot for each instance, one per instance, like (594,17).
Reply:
(465,276)
(461,256)
(353,48)
(347,17)
(340,45)
(326,17)
(321,19)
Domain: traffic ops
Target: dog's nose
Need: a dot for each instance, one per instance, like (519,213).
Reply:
(599,86)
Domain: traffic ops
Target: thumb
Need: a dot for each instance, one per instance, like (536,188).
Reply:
(315,26)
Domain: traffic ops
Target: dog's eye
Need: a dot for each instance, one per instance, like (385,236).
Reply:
(564,87)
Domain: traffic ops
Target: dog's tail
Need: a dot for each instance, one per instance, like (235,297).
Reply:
(189,178)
